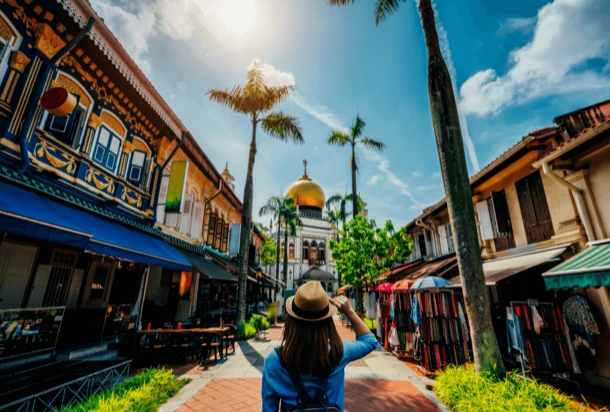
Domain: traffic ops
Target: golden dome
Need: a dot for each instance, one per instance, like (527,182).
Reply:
(306,192)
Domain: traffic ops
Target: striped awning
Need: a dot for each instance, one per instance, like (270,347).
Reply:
(588,269)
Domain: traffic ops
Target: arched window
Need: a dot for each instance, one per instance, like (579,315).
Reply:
(321,253)
(107,147)
(69,129)
(305,254)
(139,164)
(313,252)
(291,250)
(10,41)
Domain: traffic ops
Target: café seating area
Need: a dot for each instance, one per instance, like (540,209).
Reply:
(184,344)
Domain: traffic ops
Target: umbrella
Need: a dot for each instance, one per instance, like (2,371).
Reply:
(404,284)
(430,282)
(384,287)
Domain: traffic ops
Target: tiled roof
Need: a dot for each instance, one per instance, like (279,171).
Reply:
(572,139)
(42,187)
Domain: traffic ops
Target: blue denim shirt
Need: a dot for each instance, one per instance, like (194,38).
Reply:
(277,384)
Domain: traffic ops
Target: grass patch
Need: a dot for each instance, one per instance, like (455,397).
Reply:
(145,392)
(462,390)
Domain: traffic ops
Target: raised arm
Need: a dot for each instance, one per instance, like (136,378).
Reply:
(344,307)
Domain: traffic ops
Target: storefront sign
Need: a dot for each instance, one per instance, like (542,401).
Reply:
(24,331)
(175,190)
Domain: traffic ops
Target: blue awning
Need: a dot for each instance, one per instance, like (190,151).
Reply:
(26,213)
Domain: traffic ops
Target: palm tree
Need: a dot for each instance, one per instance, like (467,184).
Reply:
(448,135)
(273,207)
(256,100)
(342,201)
(292,221)
(339,138)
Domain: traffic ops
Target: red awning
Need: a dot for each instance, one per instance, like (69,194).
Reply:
(404,284)
(384,287)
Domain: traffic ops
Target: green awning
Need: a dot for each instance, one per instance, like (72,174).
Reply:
(588,269)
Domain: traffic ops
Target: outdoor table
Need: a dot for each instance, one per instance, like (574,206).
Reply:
(223,331)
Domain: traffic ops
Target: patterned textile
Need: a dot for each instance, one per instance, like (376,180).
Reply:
(581,321)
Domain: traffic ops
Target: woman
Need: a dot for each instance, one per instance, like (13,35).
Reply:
(311,347)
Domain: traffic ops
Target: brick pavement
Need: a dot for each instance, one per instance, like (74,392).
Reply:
(375,383)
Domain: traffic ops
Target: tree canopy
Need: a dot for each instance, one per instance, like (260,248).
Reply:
(268,251)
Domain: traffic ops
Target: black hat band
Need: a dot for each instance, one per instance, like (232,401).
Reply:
(309,315)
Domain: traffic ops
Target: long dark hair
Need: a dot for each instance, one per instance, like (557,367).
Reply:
(310,348)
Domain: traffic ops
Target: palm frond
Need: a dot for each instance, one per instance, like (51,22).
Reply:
(373,145)
(385,8)
(272,206)
(233,99)
(360,203)
(256,80)
(340,2)
(333,200)
(358,127)
(277,95)
(283,127)
(338,138)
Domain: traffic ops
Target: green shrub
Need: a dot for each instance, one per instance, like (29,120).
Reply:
(245,331)
(259,322)
(271,312)
(145,392)
(462,390)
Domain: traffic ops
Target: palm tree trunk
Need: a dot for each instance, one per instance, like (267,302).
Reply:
(354,191)
(277,259)
(244,239)
(286,254)
(459,199)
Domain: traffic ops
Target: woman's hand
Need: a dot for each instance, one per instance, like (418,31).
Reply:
(342,304)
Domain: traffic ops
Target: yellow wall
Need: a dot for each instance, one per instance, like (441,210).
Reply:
(599,180)
(559,199)
(514,211)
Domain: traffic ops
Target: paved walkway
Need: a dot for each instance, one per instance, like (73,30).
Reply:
(377,382)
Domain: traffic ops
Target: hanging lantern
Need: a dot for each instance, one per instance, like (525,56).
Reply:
(58,101)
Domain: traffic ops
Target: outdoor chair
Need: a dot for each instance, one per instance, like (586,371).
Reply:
(186,346)
(153,346)
(230,338)
(211,341)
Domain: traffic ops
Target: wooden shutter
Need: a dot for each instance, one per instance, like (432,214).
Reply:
(442,232)
(225,238)
(196,220)
(211,230)
(484,218)
(218,234)
(539,203)
(162,197)
(206,223)
(500,212)
(525,203)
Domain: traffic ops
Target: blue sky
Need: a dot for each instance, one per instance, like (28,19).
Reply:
(516,65)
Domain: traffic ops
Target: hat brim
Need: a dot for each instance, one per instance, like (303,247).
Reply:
(332,309)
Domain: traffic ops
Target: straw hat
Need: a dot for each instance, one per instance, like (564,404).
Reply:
(310,303)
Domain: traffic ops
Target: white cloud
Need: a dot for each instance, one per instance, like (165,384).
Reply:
(518,24)
(416,173)
(274,76)
(181,86)
(373,180)
(315,149)
(568,34)
(436,175)
(172,96)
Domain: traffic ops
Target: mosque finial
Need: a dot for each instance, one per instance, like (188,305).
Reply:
(305,164)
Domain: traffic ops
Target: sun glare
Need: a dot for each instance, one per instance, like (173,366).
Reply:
(238,16)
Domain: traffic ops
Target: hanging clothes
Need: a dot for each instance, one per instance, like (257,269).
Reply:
(581,322)
(370,304)
(393,339)
(514,335)
(538,322)
(463,323)
(415,312)
(379,327)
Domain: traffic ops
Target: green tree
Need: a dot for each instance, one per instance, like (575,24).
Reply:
(366,251)
(447,131)
(354,138)
(274,207)
(268,252)
(256,100)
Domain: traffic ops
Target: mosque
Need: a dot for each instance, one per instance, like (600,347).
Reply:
(309,256)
